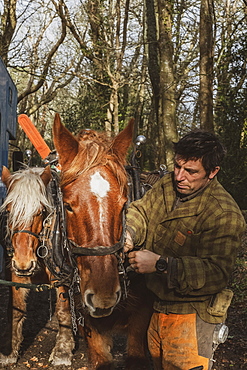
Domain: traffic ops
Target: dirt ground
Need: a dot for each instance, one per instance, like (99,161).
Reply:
(40,330)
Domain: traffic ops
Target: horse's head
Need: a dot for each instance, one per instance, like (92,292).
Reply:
(25,203)
(94,187)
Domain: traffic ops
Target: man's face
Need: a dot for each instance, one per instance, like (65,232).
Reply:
(190,176)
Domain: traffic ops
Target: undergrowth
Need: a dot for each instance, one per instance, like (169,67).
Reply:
(238,282)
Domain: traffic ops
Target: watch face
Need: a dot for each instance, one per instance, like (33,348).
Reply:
(161,265)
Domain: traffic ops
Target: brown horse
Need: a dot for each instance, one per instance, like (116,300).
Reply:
(26,205)
(94,188)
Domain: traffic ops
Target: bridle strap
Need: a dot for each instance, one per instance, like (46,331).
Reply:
(27,232)
(100,250)
(95,251)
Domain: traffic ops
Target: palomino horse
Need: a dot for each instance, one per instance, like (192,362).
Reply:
(26,205)
(94,188)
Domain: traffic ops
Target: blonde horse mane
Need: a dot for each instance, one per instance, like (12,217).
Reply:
(27,194)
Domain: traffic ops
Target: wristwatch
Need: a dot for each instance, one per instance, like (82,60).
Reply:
(161,265)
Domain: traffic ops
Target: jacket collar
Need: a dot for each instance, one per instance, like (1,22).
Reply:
(189,206)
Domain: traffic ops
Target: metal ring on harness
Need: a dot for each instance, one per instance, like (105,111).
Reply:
(64,299)
(40,249)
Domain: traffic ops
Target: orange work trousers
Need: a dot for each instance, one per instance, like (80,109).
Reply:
(172,341)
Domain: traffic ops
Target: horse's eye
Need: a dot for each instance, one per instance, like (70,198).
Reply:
(42,212)
(68,208)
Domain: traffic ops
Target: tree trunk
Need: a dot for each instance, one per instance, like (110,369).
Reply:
(153,52)
(206,65)
(167,108)
(7,28)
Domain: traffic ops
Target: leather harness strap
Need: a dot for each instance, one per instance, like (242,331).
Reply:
(95,251)
(27,232)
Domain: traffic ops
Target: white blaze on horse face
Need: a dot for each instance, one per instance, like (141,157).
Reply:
(100,187)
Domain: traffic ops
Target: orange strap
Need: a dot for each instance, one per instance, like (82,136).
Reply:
(34,135)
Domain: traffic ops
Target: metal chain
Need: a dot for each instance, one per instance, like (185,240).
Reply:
(50,306)
(75,281)
(123,276)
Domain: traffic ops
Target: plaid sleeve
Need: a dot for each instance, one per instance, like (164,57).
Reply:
(209,271)
(140,213)
(137,219)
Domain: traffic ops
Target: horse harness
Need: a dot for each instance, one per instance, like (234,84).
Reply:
(59,252)
(54,242)
(137,187)
(116,249)
(5,238)
(53,248)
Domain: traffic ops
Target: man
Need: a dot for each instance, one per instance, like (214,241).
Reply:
(189,229)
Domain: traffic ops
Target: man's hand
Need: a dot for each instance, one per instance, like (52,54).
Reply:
(128,245)
(143,261)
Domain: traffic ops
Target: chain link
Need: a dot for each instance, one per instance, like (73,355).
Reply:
(75,282)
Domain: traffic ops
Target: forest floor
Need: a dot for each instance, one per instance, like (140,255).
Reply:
(40,330)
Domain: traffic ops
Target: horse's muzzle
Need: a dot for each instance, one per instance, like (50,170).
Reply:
(27,271)
(101,306)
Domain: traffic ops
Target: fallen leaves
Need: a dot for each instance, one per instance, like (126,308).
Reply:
(38,365)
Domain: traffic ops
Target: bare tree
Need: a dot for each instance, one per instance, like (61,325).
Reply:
(93,56)
(105,49)
(161,71)
(31,52)
(7,27)
(206,64)
(167,111)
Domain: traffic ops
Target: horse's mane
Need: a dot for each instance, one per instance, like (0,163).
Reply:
(26,194)
(95,149)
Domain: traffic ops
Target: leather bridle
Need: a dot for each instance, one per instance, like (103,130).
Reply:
(80,250)
(116,250)
(27,232)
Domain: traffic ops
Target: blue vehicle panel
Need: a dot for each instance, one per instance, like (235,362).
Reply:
(8,120)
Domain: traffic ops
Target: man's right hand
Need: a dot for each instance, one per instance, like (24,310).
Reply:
(128,245)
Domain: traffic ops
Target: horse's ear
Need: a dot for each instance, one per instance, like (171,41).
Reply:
(65,143)
(123,140)
(6,176)
(46,175)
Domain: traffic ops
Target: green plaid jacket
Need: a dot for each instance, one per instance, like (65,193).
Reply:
(201,237)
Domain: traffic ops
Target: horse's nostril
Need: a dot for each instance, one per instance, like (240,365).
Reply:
(118,294)
(89,300)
